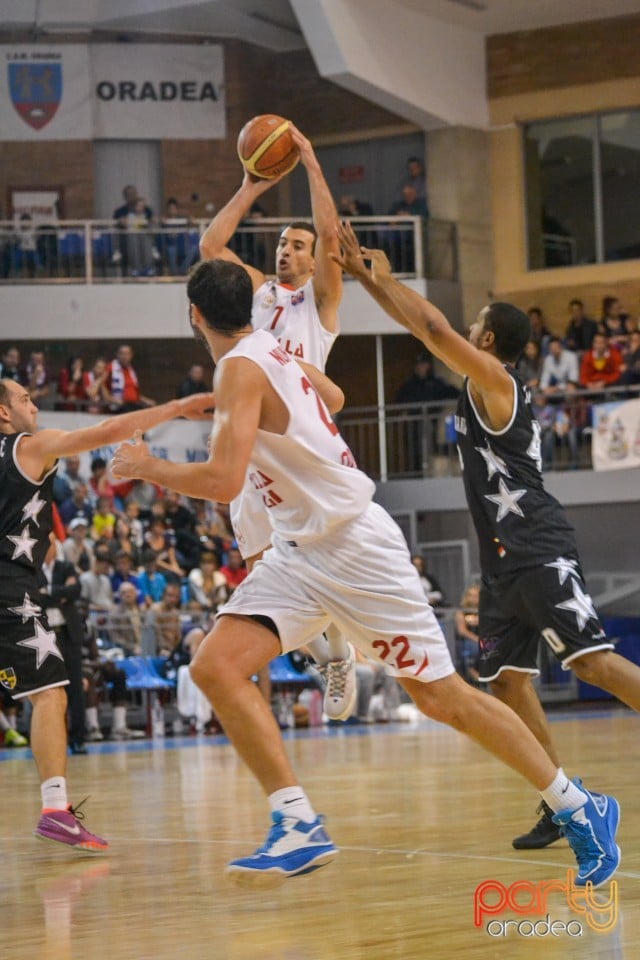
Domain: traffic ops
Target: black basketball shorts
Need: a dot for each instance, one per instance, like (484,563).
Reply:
(548,602)
(30,658)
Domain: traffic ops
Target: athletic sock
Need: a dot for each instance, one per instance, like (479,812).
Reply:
(292,802)
(4,723)
(562,794)
(54,794)
(319,649)
(338,646)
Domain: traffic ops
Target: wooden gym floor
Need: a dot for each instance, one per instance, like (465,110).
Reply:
(422,817)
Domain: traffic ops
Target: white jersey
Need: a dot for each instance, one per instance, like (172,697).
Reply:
(307,477)
(292,317)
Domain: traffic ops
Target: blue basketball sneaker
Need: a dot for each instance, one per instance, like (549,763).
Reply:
(293,848)
(593,841)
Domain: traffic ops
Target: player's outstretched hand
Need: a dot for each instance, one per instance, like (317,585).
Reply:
(307,154)
(199,406)
(127,462)
(351,257)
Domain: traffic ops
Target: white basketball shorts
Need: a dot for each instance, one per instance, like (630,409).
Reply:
(362,580)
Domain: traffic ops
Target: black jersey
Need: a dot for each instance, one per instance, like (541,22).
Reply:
(517,522)
(25,514)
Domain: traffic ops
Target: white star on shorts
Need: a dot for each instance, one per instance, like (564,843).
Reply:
(44,643)
(581,605)
(27,610)
(24,545)
(564,567)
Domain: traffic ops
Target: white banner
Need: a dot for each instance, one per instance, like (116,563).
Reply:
(112,91)
(45,92)
(181,441)
(158,92)
(616,435)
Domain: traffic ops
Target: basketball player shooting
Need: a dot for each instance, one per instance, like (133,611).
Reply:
(300,309)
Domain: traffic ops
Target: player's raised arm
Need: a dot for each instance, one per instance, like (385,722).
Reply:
(327,279)
(214,241)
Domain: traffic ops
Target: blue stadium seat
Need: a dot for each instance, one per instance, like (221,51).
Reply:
(141,674)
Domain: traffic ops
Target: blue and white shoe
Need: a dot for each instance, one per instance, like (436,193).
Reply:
(293,848)
(593,841)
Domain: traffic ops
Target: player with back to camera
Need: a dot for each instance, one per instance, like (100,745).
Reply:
(532,582)
(31,663)
(335,557)
(300,309)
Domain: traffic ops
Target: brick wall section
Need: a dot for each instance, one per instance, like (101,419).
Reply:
(257,81)
(563,56)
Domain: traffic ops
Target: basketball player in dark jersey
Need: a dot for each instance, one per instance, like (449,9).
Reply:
(532,583)
(31,663)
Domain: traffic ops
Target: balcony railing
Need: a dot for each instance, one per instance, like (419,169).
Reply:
(99,251)
(405,441)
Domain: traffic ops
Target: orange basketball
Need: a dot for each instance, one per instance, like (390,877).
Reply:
(266,148)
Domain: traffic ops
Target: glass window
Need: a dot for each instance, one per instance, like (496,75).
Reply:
(559,165)
(620,171)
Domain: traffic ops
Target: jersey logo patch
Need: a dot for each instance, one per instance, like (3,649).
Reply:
(297,298)
(8,678)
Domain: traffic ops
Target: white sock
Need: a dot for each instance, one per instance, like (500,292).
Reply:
(338,646)
(293,802)
(562,794)
(91,713)
(54,794)
(119,718)
(319,650)
(4,723)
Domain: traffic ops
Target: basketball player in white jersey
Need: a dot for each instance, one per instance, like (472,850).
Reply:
(300,308)
(336,557)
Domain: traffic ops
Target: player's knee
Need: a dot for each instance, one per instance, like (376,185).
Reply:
(592,667)
(506,684)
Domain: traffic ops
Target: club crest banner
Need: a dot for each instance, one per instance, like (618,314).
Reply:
(112,91)
(616,435)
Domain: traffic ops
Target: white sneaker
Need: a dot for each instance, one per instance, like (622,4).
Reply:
(340,691)
(124,733)
(94,734)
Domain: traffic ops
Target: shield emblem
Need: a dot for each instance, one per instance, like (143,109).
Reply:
(8,678)
(36,91)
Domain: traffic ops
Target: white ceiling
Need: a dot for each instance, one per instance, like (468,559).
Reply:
(273,24)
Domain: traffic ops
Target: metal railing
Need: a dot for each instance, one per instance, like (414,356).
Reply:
(100,251)
(404,441)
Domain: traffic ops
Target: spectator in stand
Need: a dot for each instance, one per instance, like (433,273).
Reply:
(73,385)
(164,619)
(175,241)
(27,243)
(401,242)
(123,541)
(581,329)
(143,495)
(122,382)
(529,366)
(207,583)
(423,386)
(350,206)
(123,573)
(631,359)
(67,479)
(193,382)
(79,504)
(95,584)
(127,620)
(10,366)
(612,322)
(467,640)
(183,521)
(36,377)
(234,570)
(77,549)
(100,399)
(602,366)
(415,178)
(121,216)
(539,331)
(431,587)
(132,513)
(152,582)
(104,521)
(141,252)
(162,542)
(559,368)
